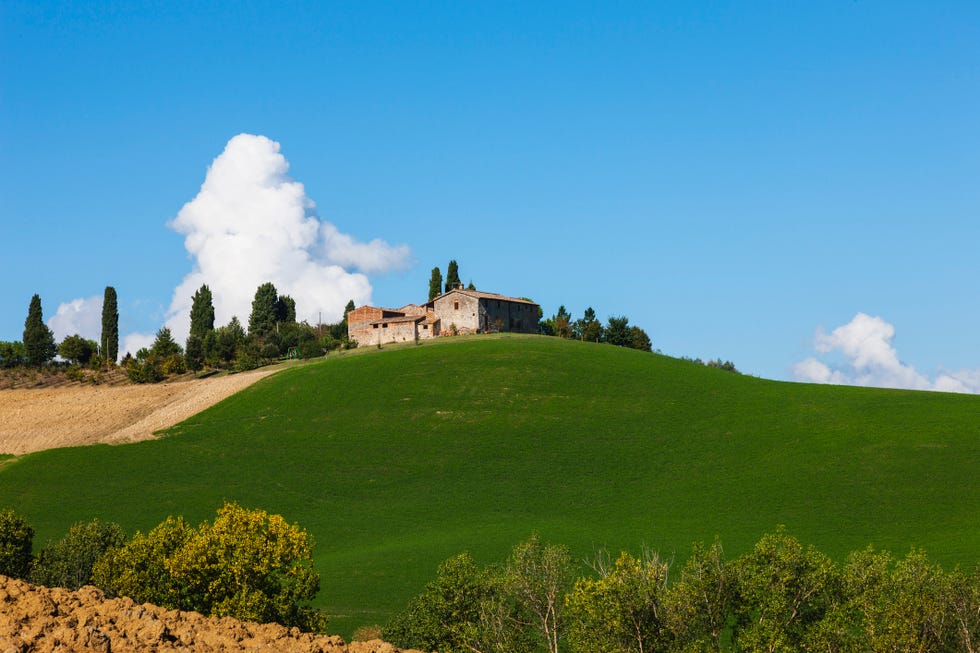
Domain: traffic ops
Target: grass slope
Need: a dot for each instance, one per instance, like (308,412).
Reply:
(396,460)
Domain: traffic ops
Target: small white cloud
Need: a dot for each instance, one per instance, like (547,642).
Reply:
(871,360)
(252,223)
(79,316)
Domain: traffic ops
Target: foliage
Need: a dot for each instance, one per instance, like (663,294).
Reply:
(588,328)
(246,564)
(221,345)
(265,310)
(785,589)
(452,276)
(165,346)
(701,600)
(202,314)
(562,323)
(617,331)
(445,616)
(622,611)
(77,350)
(38,338)
(639,339)
(16,538)
(537,576)
(286,309)
(69,561)
(435,284)
(110,325)
(12,354)
(194,353)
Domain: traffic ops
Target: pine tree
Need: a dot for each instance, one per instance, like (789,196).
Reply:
(202,313)
(452,276)
(286,309)
(265,309)
(110,325)
(38,338)
(435,284)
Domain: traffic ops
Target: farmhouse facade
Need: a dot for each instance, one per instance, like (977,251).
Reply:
(456,311)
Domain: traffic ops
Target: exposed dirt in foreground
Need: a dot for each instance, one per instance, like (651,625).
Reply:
(43,620)
(75,415)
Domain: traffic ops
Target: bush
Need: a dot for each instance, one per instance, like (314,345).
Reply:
(69,561)
(246,564)
(16,539)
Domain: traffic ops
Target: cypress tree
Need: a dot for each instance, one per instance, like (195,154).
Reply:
(265,310)
(202,313)
(38,338)
(110,325)
(435,284)
(452,276)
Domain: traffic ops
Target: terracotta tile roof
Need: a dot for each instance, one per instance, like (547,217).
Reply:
(479,294)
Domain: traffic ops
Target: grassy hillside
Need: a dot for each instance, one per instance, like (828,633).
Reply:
(396,460)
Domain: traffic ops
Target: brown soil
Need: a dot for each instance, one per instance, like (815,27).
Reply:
(70,415)
(43,620)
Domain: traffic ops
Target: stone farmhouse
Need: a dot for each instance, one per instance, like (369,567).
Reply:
(456,311)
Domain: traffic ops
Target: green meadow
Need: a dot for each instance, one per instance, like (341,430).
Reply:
(398,459)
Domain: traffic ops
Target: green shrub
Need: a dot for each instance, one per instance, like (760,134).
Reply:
(16,538)
(69,561)
(246,564)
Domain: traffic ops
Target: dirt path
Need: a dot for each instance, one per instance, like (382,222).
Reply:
(32,420)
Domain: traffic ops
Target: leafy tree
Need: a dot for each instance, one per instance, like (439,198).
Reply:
(194,353)
(247,564)
(69,561)
(38,338)
(452,276)
(202,313)
(537,576)
(110,325)
(286,309)
(562,323)
(785,590)
(446,615)
(639,339)
(12,354)
(265,310)
(588,328)
(435,284)
(965,605)
(470,285)
(222,345)
(617,331)
(16,538)
(701,600)
(622,611)
(728,366)
(77,350)
(901,606)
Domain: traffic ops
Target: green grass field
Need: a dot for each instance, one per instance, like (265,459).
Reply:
(396,460)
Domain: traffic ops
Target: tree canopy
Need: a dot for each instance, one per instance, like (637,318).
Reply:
(38,339)
(110,325)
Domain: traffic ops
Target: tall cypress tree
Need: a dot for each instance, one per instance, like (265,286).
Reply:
(38,338)
(452,276)
(265,310)
(202,313)
(110,325)
(435,284)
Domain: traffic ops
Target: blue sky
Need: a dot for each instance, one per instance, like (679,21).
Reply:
(742,180)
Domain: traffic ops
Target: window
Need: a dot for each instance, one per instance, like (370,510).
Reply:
(384,326)
(455,306)
(374,326)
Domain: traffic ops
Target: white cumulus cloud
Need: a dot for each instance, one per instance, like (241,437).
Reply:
(252,223)
(79,316)
(870,359)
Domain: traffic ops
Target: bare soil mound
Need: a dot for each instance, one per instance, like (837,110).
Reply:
(75,415)
(49,620)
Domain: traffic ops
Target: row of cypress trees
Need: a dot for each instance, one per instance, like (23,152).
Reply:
(39,346)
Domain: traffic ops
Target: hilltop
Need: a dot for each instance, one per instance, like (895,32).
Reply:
(396,460)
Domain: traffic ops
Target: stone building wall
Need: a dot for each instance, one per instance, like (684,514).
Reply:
(459,310)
